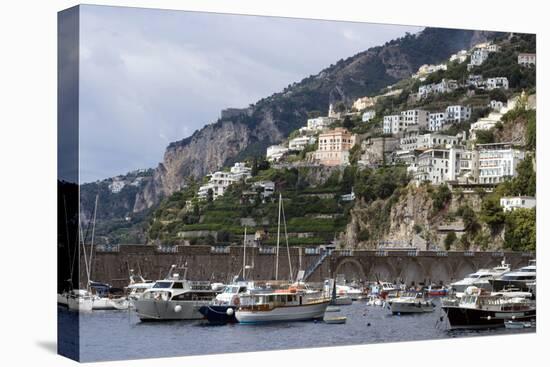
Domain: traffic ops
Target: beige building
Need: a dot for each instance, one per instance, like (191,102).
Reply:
(333,148)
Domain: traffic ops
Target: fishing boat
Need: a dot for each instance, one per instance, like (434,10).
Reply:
(523,278)
(174,298)
(411,302)
(478,308)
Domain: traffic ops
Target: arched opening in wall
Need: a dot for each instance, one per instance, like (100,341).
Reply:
(350,269)
(440,272)
(382,271)
(463,269)
(412,272)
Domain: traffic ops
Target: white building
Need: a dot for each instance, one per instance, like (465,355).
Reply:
(497,105)
(460,56)
(436,121)
(497,162)
(267,187)
(485,123)
(526,59)
(319,123)
(415,117)
(363,103)
(510,203)
(478,57)
(220,180)
(444,86)
(476,80)
(241,171)
(498,82)
(434,166)
(116,186)
(368,115)
(413,140)
(391,124)
(275,152)
(456,114)
(300,142)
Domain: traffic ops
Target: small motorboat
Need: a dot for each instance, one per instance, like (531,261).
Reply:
(335,320)
(332,309)
(511,324)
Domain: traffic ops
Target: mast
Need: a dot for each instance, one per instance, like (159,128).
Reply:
(244,254)
(278,238)
(92,241)
(286,238)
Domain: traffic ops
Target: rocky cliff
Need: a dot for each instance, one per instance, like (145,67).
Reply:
(274,117)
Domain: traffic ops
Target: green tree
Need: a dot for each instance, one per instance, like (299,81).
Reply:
(449,240)
(485,137)
(441,197)
(521,231)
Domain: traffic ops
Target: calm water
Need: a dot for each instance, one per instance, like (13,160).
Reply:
(112,335)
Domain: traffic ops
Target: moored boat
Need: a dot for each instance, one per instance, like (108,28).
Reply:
(478,308)
(281,305)
(412,302)
(174,299)
(523,278)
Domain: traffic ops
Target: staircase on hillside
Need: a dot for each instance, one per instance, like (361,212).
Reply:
(311,269)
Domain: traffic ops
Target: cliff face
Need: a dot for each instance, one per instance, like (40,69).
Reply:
(274,117)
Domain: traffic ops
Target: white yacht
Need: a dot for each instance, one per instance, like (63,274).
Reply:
(481,278)
(523,279)
(412,302)
(174,299)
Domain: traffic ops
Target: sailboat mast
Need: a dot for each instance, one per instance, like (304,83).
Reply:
(286,239)
(92,243)
(244,253)
(278,238)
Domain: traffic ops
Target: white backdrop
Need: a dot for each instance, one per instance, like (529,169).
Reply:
(28,181)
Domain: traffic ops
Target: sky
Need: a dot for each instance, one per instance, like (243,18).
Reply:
(150,77)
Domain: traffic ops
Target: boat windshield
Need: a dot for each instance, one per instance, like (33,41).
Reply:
(162,285)
(231,289)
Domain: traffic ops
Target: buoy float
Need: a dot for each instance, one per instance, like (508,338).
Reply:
(229,312)
(177,308)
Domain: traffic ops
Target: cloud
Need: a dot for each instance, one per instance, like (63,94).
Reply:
(152,76)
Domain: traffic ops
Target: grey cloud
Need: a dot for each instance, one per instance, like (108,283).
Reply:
(153,76)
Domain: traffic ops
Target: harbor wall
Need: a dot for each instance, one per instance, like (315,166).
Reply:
(113,264)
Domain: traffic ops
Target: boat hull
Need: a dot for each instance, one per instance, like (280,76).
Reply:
(314,311)
(410,307)
(109,304)
(472,318)
(158,310)
(218,314)
(79,304)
